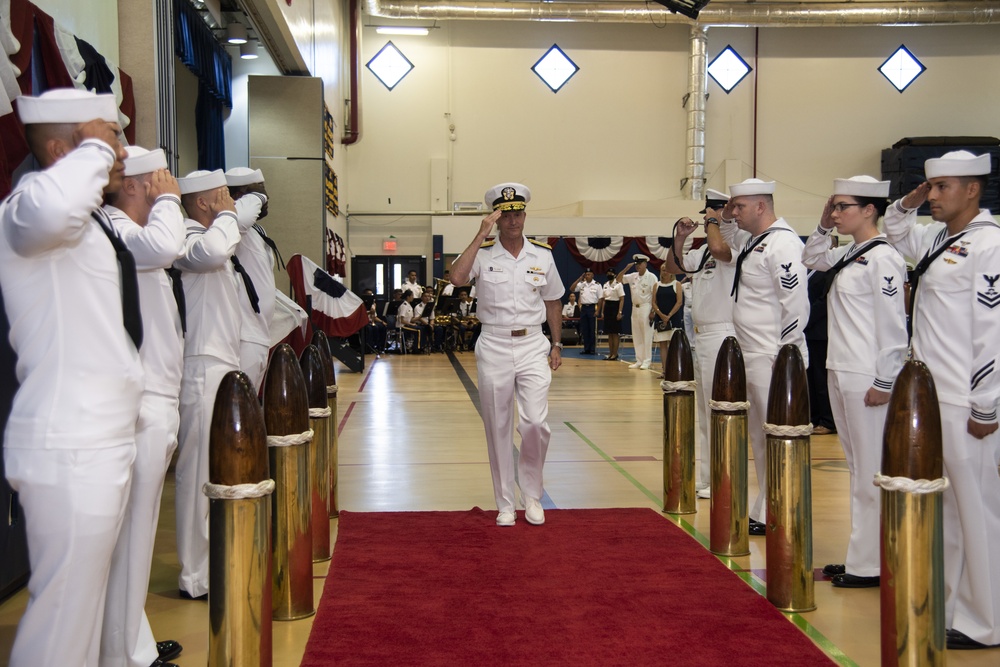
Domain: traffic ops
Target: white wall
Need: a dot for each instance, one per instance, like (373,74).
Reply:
(94,21)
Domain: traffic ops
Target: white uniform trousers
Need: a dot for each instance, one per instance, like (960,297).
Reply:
(73,501)
(642,333)
(758,367)
(127,639)
(202,376)
(706,350)
(253,362)
(971,528)
(509,368)
(860,431)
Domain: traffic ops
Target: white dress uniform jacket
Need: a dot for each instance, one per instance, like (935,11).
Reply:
(511,300)
(956,326)
(416,289)
(613,290)
(641,287)
(211,349)
(70,440)
(590,293)
(256,258)
(866,326)
(127,638)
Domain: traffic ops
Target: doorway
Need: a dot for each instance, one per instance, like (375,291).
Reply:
(384,273)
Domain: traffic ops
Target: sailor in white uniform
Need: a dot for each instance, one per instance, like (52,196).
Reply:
(146,213)
(710,270)
(866,325)
(255,254)
(956,326)
(641,284)
(771,305)
(70,441)
(211,349)
(519,288)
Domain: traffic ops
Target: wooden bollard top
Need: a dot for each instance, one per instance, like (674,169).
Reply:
(286,402)
(680,364)
(320,340)
(911,441)
(237,441)
(788,397)
(311,363)
(730,380)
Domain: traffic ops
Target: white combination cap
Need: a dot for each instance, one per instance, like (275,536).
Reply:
(238,176)
(200,181)
(957,163)
(508,197)
(752,186)
(861,186)
(639,257)
(66,105)
(140,161)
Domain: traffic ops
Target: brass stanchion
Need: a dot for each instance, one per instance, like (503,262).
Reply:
(678,428)
(323,343)
(912,572)
(729,523)
(239,520)
(286,415)
(790,585)
(319,451)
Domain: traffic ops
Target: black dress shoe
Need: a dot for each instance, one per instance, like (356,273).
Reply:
(757,528)
(853,581)
(187,596)
(959,641)
(159,662)
(168,650)
(833,569)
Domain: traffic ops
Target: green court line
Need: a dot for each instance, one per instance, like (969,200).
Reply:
(752,580)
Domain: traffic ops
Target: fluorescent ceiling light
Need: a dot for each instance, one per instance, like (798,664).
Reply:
(401,30)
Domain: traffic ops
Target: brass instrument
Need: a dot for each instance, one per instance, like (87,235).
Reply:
(439,285)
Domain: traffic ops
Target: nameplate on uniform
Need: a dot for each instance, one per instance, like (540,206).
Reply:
(496,269)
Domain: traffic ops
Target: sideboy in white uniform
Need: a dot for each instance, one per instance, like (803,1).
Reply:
(770,309)
(211,349)
(152,226)
(70,441)
(956,326)
(519,288)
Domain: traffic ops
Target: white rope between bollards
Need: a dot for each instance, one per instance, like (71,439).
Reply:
(670,387)
(331,389)
(728,406)
(289,440)
(916,486)
(788,431)
(319,413)
(239,491)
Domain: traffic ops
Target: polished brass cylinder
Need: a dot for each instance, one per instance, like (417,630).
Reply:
(334,449)
(790,584)
(678,429)
(239,605)
(728,531)
(314,373)
(912,580)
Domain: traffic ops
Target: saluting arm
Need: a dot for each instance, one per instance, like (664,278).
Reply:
(208,251)
(461,268)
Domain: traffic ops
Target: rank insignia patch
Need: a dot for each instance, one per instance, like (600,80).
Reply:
(888,289)
(990,297)
(789,280)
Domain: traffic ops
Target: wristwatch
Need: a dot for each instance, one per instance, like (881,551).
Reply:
(557,344)
(711,221)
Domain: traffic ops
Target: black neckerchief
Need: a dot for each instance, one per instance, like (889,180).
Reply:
(735,292)
(270,243)
(247,283)
(921,268)
(178,288)
(131,314)
(850,257)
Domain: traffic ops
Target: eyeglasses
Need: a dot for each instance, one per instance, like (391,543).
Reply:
(840,207)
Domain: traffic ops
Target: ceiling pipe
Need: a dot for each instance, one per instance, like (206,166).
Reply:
(694,181)
(755,14)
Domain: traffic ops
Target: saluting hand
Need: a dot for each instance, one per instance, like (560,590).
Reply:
(98,129)
(223,202)
(918,196)
(826,220)
(161,182)
(727,212)
(488,222)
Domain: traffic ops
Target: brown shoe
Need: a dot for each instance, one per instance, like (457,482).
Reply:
(822,430)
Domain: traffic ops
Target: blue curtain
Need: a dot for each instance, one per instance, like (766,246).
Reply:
(198,49)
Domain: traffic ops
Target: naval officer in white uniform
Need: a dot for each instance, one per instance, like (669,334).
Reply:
(519,288)
(770,305)
(211,349)
(255,254)
(710,270)
(866,325)
(641,284)
(70,440)
(956,326)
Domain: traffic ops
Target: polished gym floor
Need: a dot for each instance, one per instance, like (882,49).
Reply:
(411,439)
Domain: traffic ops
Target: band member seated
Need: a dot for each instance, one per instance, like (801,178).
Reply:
(466,321)
(412,334)
(424,319)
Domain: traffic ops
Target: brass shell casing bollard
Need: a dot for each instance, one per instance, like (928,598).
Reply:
(323,343)
(286,413)
(790,584)
(239,594)
(728,534)
(912,550)
(678,428)
(319,451)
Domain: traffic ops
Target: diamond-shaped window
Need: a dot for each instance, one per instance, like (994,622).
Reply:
(901,68)
(389,65)
(555,68)
(728,69)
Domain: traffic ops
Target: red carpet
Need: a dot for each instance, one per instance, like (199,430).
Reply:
(590,587)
